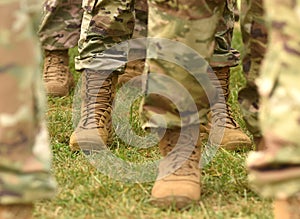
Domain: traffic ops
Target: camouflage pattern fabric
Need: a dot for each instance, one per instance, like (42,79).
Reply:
(254,34)
(141,5)
(104,25)
(60,26)
(141,19)
(224,55)
(61,23)
(137,47)
(193,24)
(24,148)
(275,172)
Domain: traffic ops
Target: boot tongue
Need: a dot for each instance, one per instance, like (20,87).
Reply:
(97,84)
(98,96)
(57,66)
(222,116)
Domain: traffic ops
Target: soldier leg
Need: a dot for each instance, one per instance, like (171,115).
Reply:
(136,64)
(24,147)
(275,172)
(223,58)
(59,31)
(184,39)
(254,34)
(105,24)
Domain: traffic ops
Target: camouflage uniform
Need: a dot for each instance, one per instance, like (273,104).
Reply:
(223,58)
(254,34)
(224,55)
(24,147)
(59,31)
(141,19)
(164,24)
(60,26)
(104,25)
(275,172)
(137,53)
(179,93)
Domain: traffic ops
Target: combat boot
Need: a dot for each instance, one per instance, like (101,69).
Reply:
(178,181)
(132,71)
(94,130)
(16,211)
(225,132)
(58,79)
(287,208)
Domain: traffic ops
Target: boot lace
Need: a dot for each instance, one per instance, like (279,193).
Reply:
(55,67)
(98,100)
(221,111)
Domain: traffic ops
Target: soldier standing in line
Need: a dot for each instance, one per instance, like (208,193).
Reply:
(24,147)
(255,37)
(59,31)
(275,171)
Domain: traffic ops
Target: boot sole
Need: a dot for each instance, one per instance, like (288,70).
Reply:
(175,202)
(87,146)
(236,146)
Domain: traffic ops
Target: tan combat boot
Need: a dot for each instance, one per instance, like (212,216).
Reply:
(287,208)
(16,211)
(133,69)
(57,77)
(94,130)
(226,131)
(178,181)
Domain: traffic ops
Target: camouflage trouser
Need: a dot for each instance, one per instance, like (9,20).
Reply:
(24,149)
(224,55)
(192,24)
(141,19)
(276,171)
(254,34)
(60,26)
(104,25)
(137,47)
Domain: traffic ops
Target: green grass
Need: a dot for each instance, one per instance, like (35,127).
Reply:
(83,192)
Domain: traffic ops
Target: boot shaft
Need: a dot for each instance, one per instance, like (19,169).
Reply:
(181,149)
(97,93)
(224,130)
(220,79)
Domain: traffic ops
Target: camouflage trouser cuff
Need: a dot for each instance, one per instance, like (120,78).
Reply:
(19,188)
(270,175)
(153,120)
(101,64)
